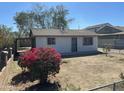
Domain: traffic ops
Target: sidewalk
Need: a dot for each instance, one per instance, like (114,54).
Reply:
(120,51)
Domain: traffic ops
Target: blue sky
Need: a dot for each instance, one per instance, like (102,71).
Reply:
(84,14)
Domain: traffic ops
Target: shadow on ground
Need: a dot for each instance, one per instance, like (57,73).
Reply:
(82,54)
(24,78)
(44,87)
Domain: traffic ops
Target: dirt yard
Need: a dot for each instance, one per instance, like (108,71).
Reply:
(11,70)
(86,72)
(91,71)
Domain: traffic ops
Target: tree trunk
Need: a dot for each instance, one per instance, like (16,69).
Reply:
(43,79)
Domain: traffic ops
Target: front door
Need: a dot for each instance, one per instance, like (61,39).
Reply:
(74,44)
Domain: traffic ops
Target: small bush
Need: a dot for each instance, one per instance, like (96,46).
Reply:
(107,49)
(40,62)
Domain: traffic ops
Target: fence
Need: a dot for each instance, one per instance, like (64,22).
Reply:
(115,43)
(5,55)
(116,86)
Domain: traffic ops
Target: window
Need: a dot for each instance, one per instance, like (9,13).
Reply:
(87,41)
(51,41)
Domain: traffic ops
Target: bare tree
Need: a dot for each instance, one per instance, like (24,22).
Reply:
(42,17)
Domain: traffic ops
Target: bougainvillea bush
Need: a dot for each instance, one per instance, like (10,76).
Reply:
(40,62)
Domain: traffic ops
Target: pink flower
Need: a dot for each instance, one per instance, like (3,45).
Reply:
(40,54)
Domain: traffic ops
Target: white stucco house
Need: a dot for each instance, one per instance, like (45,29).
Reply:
(65,41)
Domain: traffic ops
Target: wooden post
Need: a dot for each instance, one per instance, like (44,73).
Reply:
(9,52)
(15,49)
(4,57)
(114,87)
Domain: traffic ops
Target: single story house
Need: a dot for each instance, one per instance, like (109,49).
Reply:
(65,41)
(108,35)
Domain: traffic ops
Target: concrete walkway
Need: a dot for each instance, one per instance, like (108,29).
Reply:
(120,51)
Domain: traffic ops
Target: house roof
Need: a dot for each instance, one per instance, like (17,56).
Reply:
(119,33)
(58,32)
(120,27)
(97,26)
(112,27)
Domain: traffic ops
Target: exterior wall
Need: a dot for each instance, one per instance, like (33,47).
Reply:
(63,44)
(82,47)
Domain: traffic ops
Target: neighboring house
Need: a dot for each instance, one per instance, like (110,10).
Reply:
(65,41)
(105,28)
(108,35)
(96,28)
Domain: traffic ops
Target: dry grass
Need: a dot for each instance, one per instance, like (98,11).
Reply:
(78,72)
(91,71)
